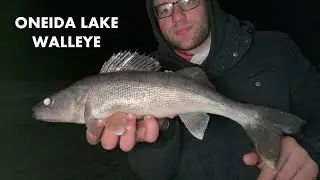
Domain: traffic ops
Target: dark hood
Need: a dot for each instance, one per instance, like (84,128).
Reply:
(223,28)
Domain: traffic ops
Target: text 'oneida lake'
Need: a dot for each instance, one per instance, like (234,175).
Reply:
(58,23)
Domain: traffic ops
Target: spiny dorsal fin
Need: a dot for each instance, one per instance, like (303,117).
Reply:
(196,74)
(130,61)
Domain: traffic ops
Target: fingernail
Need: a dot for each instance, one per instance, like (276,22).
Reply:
(148,117)
(246,158)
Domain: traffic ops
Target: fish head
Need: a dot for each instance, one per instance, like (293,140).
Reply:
(64,106)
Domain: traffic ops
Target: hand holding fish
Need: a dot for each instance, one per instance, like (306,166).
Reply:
(294,163)
(142,130)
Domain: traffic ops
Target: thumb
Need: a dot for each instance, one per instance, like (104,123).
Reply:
(251,159)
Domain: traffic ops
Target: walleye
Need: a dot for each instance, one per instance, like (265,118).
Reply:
(132,83)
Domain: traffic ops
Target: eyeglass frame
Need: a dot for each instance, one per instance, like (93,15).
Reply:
(172,3)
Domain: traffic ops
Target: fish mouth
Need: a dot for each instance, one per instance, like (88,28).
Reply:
(42,113)
(41,116)
(36,113)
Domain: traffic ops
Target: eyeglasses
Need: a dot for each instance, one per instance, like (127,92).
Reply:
(166,9)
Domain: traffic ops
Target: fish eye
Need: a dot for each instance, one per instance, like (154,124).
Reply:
(47,101)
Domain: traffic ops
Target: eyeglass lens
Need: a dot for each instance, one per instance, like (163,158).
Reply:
(166,9)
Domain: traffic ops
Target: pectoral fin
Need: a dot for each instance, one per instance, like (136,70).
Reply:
(196,123)
(115,122)
(91,120)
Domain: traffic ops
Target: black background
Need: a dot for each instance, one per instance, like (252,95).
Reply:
(35,150)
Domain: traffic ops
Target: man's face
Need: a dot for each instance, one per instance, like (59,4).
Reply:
(185,30)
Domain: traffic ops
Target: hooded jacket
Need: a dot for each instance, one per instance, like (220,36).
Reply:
(258,67)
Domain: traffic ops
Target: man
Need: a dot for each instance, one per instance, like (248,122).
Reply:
(264,68)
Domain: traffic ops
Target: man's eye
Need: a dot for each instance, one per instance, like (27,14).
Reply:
(164,11)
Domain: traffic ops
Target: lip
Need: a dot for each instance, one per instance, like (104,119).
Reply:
(182,30)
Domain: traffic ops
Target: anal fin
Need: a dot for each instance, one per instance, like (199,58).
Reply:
(196,123)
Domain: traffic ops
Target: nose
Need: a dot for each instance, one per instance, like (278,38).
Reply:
(178,15)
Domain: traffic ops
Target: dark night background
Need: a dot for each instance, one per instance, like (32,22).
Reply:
(37,150)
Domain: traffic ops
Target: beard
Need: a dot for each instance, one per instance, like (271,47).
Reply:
(200,34)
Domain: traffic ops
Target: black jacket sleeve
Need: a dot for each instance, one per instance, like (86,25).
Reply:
(159,160)
(305,100)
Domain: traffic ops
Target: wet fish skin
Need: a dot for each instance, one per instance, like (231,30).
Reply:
(163,95)
(131,91)
(187,93)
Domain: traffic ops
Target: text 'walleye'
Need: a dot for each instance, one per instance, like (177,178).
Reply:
(68,23)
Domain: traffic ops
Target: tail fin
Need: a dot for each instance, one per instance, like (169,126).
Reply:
(266,131)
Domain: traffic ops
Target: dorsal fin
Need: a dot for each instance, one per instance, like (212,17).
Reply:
(130,61)
(197,75)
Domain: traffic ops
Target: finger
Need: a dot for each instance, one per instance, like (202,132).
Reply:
(292,166)
(308,172)
(267,173)
(151,129)
(141,129)
(109,140)
(128,139)
(94,139)
(251,159)
(91,139)
(292,157)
